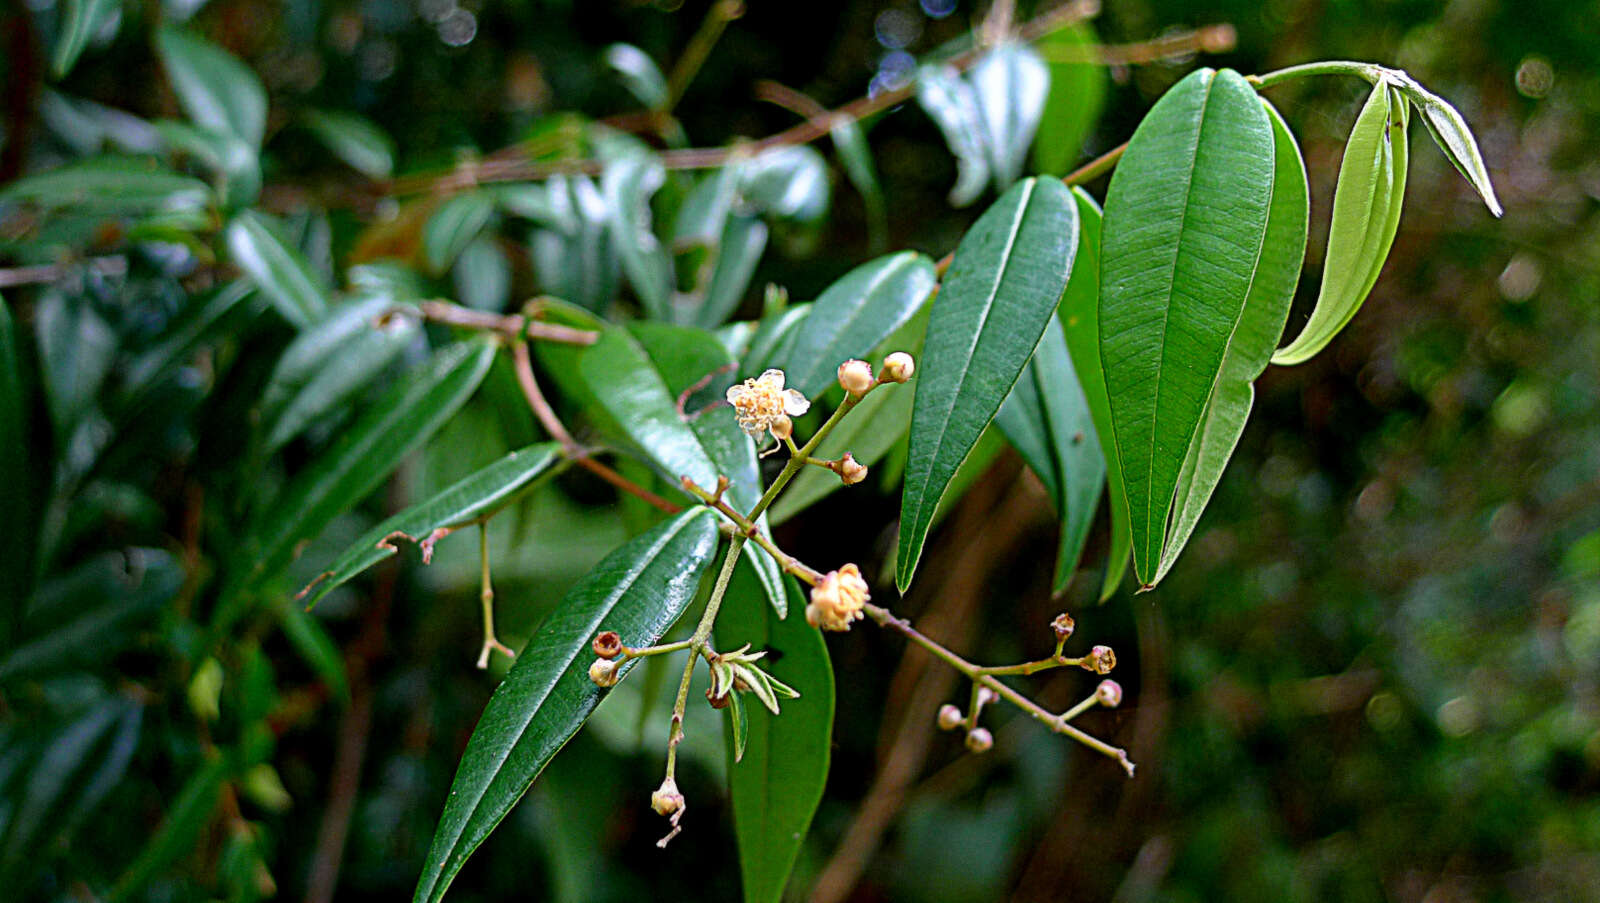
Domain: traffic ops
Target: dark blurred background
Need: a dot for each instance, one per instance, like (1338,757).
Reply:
(1373,675)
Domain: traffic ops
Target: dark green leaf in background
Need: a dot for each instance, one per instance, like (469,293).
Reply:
(787,182)
(853,315)
(18,532)
(214,88)
(639,73)
(277,269)
(82,21)
(628,184)
(482,275)
(1001,289)
(354,139)
(744,238)
(112,184)
(453,226)
(76,351)
(856,156)
(639,591)
(1077,95)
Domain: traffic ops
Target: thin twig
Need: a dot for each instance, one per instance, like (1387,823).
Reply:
(111,265)
(694,55)
(1207,39)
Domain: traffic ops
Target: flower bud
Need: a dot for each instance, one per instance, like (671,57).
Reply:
(855,376)
(851,471)
(718,702)
(1100,660)
(667,800)
(1063,625)
(949,717)
(1109,693)
(979,739)
(898,367)
(603,672)
(782,427)
(607,645)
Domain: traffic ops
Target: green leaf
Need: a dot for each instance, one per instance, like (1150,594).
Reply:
(1454,137)
(282,275)
(82,21)
(1250,348)
(76,350)
(744,238)
(318,650)
(18,528)
(640,74)
(788,182)
(367,451)
(1002,287)
(328,363)
(483,492)
(856,156)
(112,184)
(739,725)
(1010,83)
(453,226)
(578,263)
(204,320)
(769,347)
(639,591)
(854,314)
(1080,322)
(953,106)
(1366,214)
(778,782)
(1077,95)
(1185,222)
(628,184)
(213,87)
(704,214)
(182,821)
(482,275)
(225,154)
(354,139)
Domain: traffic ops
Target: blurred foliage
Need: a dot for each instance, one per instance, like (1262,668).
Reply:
(1376,674)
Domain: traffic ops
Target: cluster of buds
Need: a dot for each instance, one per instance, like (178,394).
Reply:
(838,599)
(978,739)
(849,469)
(737,671)
(856,377)
(606,670)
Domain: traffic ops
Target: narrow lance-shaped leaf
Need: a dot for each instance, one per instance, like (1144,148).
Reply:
(778,782)
(277,270)
(951,104)
(112,184)
(354,139)
(1011,84)
(453,226)
(214,88)
(639,73)
(744,238)
(1185,219)
(788,182)
(1454,137)
(1272,287)
(639,591)
(479,493)
(628,184)
(81,21)
(1080,322)
(1366,215)
(1077,95)
(482,275)
(856,156)
(854,314)
(1002,287)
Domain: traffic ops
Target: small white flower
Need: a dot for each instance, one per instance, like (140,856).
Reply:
(761,401)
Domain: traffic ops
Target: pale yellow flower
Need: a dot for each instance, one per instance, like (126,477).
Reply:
(837,599)
(760,402)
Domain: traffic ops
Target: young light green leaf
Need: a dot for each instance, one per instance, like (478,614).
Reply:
(482,492)
(1001,289)
(329,362)
(213,87)
(1080,322)
(744,238)
(1077,95)
(1010,83)
(628,184)
(354,139)
(739,725)
(639,591)
(788,182)
(1454,137)
(482,275)
(366,452)
(640,74)
(454,225)
(1277,273)
(854,314)
(277,270)
(1366,215)
(1185,221)
(81,22)
(777,784)
(952,105)
(856,155)
(112,184)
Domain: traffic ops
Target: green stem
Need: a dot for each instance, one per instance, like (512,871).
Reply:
(696,644)
(486,598)
(662,649)
(1027,668)
(1369,71)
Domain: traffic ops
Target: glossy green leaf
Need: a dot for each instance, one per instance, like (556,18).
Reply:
(1453,136)
(854,314)
(1366,215)
(628,185)
(112,185)
(1001,289)
(1185,221)
(639,591)
(1077,96)
(856,156)
(277,269)
(532,201)
(18,532)
(81,22)
(578,264)
(744,238)
(482,492)
(482,275)
(773,336)
(1277,273)
(778,783)
(328,363)
(367,452)
(1010,83)
(205,320)
(354,139)
(214,88)
(953,106)
(230,157)
(1080,322)
(453,226)
(704,214)
(76,350)
(640,74)
(788,182)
